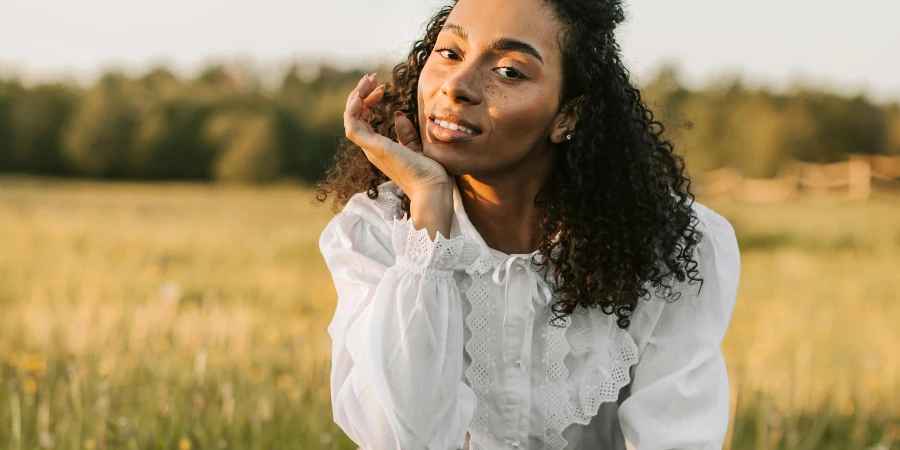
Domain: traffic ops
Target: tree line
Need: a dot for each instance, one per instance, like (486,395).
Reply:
(224,125)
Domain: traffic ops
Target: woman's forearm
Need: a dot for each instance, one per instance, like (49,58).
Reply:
(432,209)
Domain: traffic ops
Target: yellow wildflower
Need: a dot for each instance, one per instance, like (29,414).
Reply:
(31,386)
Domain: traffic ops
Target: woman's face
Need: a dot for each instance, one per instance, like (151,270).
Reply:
(496,69)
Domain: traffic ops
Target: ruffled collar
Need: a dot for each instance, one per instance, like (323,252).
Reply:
(488,258)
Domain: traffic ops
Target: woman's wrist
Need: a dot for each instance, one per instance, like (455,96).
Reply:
(432,209)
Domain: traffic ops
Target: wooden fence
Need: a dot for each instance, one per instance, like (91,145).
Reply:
(859,178)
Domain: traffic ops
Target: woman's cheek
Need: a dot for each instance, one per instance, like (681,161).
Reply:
(520,118)
(431,76)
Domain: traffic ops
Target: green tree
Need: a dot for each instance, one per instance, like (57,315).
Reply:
(249,147)
(100,133)
(7,92)
(892,123)
(826,127)
(754,133)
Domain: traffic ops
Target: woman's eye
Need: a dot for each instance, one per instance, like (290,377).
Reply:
(510,73)
(444,51)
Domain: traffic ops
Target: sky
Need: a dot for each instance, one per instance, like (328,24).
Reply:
(849,46)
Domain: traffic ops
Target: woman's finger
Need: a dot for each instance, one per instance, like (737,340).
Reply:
(406,132)
(356,129)
(354,105)
(361,133)
(374,97)
(366,86)
(355,92)
(353,113)
(371,101)
(363,88)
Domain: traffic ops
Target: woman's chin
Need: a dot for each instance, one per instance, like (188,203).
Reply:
(453,161)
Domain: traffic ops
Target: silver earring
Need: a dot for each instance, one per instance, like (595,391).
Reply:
(568,137)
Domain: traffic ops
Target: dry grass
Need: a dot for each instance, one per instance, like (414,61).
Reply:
(181,316)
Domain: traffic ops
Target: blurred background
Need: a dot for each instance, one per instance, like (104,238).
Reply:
(160,280)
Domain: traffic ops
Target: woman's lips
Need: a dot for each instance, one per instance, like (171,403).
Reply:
(447,135)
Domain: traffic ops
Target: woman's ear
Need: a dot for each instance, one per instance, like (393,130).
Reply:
(566,119)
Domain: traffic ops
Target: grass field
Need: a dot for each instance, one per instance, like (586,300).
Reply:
(193,317)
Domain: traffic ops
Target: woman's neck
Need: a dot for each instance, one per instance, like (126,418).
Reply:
(502,209)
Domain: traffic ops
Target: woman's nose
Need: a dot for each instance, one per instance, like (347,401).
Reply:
(463,85)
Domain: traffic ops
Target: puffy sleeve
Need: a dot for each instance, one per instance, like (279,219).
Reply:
(679,394)
(397,333)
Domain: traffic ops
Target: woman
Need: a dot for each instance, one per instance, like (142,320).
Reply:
(519,261)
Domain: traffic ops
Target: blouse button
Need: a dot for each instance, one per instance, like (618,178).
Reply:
(519,362)
(514,444)
(520,269)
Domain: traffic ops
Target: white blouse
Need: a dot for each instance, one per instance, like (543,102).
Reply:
(418,365)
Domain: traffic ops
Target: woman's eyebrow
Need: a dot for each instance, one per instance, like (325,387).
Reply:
(499,45)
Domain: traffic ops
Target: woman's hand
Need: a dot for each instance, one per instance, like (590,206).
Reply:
(423,179)
(403,162)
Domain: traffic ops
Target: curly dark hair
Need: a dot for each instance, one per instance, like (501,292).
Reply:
(620,220)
